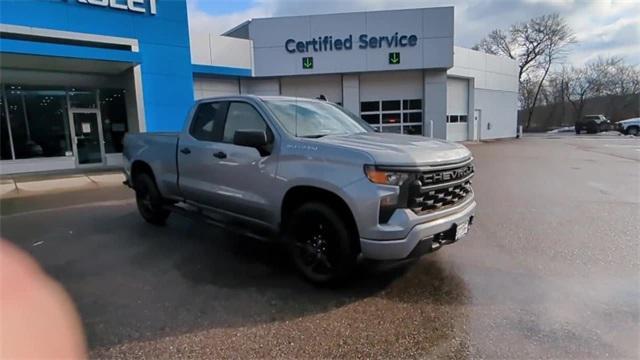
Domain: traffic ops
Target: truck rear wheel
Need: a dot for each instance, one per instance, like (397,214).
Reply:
(149,200)
(320,243)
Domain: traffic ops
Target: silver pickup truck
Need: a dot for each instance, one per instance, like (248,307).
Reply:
(308,173)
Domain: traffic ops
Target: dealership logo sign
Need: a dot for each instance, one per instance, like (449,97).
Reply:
(138,6)
(328,43)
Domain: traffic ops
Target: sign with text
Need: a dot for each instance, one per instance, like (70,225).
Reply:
(139,6)
(364,41)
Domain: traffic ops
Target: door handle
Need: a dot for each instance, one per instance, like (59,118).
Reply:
(220,155)
(185,151)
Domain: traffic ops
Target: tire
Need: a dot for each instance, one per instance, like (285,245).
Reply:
(577,132)
(149,200)
(633,130)
(321,244)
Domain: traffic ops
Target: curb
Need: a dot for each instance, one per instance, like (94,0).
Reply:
(12,188)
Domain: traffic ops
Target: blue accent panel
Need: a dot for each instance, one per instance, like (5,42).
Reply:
(174,59)
(69,51)
(164,95)
(220,70)
(163,39)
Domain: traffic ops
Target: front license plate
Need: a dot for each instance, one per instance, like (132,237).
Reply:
(462,230)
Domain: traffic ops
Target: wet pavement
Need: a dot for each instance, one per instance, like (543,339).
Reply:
(550,269)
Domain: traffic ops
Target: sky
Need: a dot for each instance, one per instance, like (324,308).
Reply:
(601,27)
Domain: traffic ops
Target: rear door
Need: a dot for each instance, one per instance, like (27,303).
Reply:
(196,163)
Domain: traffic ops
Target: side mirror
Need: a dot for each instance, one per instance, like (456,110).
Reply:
(250,138)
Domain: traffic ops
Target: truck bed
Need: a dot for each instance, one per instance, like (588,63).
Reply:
(158,149)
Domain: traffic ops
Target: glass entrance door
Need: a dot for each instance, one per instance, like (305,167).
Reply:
(87,137)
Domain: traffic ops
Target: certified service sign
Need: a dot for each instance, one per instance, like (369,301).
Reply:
(138,6)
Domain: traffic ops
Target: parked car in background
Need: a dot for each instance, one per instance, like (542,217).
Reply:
(593,124)
(629,126)
(308,173)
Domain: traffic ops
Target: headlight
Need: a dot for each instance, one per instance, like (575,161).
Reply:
(384,177)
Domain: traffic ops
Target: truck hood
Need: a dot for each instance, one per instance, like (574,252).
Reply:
(401,150)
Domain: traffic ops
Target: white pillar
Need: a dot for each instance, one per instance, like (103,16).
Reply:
(351,93)
(435,103)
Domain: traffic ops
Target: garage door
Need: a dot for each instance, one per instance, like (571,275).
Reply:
(457,109)
(313,86)
(392,101)
(205,87)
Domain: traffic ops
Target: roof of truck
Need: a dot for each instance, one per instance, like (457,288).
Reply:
(261,97)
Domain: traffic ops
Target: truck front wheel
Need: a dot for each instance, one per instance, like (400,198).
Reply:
(320,243)
(149,200)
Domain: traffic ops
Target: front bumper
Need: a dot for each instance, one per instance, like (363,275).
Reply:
(425,232)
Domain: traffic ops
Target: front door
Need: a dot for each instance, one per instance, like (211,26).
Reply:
(87,137)
(216,173)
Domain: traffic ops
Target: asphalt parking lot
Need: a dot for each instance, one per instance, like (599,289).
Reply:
(550,269)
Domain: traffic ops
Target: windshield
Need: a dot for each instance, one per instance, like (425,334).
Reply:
(313,119)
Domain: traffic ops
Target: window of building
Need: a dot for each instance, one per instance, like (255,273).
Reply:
(82,98)
(113,112)
(373,119)
(39,122)
(391,105)
(5,141)
(35,119)
(396,116)
(366,106)
(456,118)
(242,116)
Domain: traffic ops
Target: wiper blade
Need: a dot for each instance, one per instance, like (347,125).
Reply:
(315,136)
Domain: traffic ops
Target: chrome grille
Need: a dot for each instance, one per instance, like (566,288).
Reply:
(440,188)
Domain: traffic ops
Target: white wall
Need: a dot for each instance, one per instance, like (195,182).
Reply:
(210,49)
(489,71)
(205,87)
(495,82)
(499,109)
(312,86)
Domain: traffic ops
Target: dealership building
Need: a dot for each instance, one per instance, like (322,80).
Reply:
(76,75)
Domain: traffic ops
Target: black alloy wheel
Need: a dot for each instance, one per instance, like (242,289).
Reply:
(320,244)
(149,201)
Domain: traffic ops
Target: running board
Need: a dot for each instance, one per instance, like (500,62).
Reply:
(221,221)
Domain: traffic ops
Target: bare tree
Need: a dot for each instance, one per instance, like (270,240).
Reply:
(587,82)
(537,45)
(617,77)
(527,91)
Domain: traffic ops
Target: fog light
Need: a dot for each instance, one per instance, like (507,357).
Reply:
(389,200)
(388,204)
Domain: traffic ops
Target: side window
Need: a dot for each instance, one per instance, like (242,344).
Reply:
(242,116)
(207,121)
